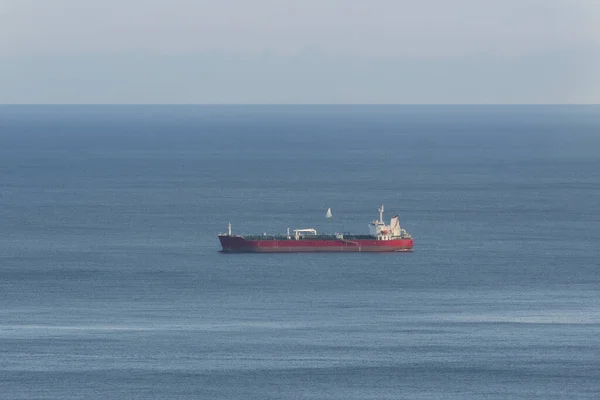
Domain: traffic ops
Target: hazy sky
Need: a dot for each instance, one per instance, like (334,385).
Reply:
(304,51)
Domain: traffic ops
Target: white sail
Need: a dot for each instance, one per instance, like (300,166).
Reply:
(329,215)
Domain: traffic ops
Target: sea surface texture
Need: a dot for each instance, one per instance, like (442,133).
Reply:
(112,285)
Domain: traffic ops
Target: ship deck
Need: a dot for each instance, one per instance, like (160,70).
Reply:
(311,237)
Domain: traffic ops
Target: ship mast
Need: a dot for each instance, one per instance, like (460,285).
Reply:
(229,229)
(381,214)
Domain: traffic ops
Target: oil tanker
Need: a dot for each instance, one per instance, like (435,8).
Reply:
(381,238)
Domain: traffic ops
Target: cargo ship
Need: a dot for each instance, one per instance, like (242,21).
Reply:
(381,238)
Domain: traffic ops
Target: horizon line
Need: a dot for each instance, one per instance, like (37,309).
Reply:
(300,104)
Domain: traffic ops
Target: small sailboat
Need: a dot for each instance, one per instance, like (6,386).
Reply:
(329,215)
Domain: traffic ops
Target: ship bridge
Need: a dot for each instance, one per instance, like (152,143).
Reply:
(387,232)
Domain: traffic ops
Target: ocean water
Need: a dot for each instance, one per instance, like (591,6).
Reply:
(112,284)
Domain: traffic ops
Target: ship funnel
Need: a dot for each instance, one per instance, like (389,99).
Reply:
(395,226)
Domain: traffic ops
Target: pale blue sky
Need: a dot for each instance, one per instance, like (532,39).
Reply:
(310,51)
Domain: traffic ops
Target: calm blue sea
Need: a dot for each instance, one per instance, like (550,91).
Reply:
(112,285)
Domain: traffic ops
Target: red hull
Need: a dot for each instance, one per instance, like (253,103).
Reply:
(237,244)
